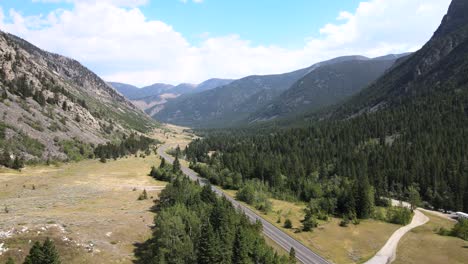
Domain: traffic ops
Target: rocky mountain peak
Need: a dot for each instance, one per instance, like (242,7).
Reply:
(457,17)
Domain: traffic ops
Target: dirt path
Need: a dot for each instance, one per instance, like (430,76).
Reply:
(446,216)
(387,253)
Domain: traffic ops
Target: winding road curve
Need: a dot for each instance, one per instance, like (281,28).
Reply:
(303,254)
(387,253)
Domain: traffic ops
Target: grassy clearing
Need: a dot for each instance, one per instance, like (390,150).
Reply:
(89,208)
(423,245)
(352,244)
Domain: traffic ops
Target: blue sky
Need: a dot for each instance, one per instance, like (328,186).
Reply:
(261,21)
(147,41)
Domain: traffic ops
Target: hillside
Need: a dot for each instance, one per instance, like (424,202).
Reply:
(438,69)
(325,86)
(233,103)
(52,104)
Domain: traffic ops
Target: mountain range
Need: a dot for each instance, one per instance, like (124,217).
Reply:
(260,98)
(153,97)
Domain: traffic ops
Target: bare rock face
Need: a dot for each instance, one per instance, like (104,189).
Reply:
(49,100)
(457,16)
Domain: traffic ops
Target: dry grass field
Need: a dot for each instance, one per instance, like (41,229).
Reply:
(90,209)
(352,244)
(424,245)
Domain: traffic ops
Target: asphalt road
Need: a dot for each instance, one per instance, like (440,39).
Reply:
(303,254)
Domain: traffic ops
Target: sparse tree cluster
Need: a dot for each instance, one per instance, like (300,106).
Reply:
(128,146)
(43,254)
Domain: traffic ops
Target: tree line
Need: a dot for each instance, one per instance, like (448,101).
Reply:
(128,145)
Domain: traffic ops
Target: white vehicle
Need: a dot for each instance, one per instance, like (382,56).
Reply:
(462,215)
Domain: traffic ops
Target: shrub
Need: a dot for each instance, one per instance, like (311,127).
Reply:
(287,224)
(444,232)
(383,202)
(399,215)
(246,194)
(461,229)
(344,222)
(309,223)
(143,196)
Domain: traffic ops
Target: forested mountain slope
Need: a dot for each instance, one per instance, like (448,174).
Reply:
(51,104)
(234,103)
(406,133)
(325,86)
(439,67)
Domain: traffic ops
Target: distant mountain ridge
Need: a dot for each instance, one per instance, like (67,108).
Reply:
(326,85)
(132,92)
(153,97)
(250,98)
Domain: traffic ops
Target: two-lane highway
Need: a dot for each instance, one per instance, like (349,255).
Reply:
(303,254)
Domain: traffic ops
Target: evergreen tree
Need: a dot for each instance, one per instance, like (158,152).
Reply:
(51,255)
(413,197)
(177,152)
(163,163)
(240,253)
(36,256)
(10,261)
(43,254)
(4,95)
(207,252)
(18,163)
(207,195)
(365,198)
(309,222)
(176,165)
(292,255)
(64,106)
(6,159)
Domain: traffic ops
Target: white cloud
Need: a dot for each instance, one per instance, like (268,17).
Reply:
(195,1)
(114,38)
(123,3)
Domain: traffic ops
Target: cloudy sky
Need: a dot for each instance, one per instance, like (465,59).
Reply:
(147,41)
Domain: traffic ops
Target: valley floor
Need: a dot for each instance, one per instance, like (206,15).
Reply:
(352,244)
(424,245)
(90,209)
